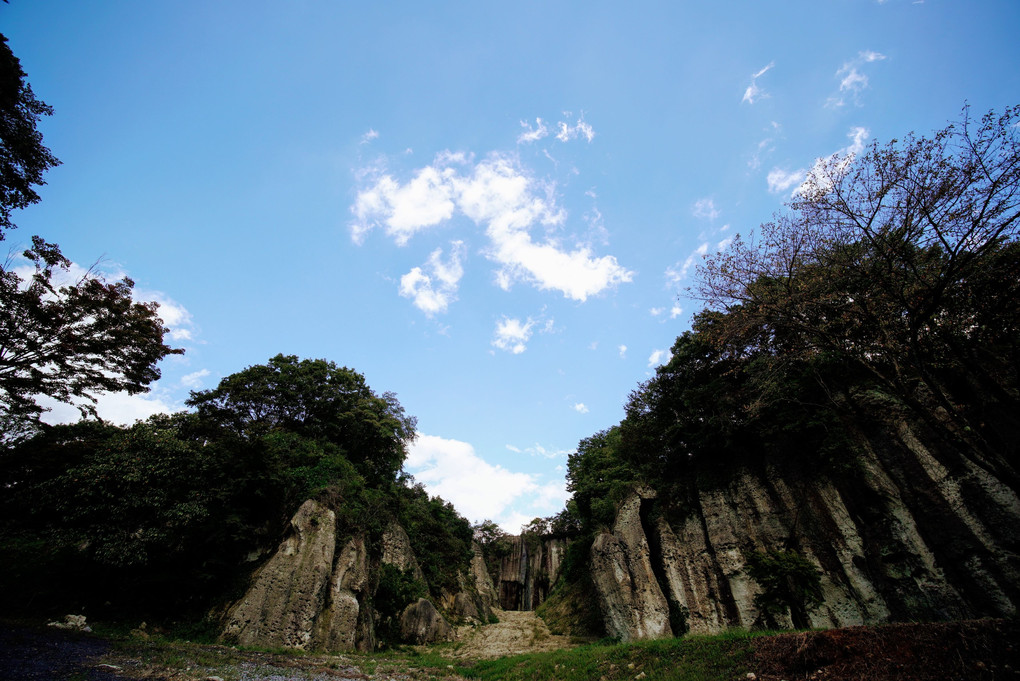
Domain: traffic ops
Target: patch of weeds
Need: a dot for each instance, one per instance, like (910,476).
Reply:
(691,659)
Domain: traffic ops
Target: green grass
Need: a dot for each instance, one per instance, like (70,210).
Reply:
(696,658)
(721,657)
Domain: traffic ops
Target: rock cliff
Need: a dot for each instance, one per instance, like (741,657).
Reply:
(911,531)
(315,594)
(529,570)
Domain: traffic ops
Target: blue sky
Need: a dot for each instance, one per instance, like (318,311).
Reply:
(491,209)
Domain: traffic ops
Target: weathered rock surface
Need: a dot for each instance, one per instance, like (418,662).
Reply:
(288,592)
(343,624)
(916,532)
(630,597)
(314,594)
(421,623)
(529,571)
(397,551)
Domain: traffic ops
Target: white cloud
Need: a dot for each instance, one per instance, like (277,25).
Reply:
(479,490)
(780,181)
(533,134)
(765,146)
(369,136)
(623,351)
(432,292)
(705,208)
(675,275)
(659,357)
(117,408)
(175,316)
(194,379)
(568,132)
(580,408)
(852,81)
(405,209)
(675,312)
(656,311)
(505,198)
(512,334)
(753,91)
(825,170)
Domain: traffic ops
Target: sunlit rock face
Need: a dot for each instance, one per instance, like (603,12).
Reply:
(916,532)
(313,594)
(289,591)
(630,596)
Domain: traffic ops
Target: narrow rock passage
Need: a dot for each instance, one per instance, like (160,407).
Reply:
(516,632)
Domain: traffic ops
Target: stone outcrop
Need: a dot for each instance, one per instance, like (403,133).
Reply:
(477,597)
(344,623)
(315,594)
(421,623)
(288,593)
(529,571)
(630,597)
(914,532)
(396,551)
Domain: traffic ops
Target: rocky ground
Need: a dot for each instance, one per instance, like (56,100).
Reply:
(985,650)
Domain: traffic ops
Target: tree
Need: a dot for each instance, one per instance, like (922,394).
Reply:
(70,342)
(23,158)
(315,399)
(887,262)
(789,583)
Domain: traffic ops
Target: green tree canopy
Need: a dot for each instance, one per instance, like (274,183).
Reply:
(23,158)
(70,342)
(315,399)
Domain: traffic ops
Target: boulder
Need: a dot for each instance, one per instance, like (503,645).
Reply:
(421,623)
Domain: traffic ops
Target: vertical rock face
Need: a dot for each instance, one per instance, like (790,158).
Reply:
(396,551)
(529,570)
(343,624)
(312,594)
(632,602)
(914,533)
(289,591)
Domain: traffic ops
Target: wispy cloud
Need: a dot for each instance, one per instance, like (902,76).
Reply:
(194,379)
(434,288)
(852,79)
(781,180)
(754,92)
(567,132)
(765,147)
(580,408)
(678,272)
(533,134)
(369,136)
(817,178)
(705,209)
(623,351)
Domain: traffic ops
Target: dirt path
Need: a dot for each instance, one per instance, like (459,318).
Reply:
(517,632)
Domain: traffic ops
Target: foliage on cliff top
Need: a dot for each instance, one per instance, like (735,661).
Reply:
(162,516)
(893,273)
